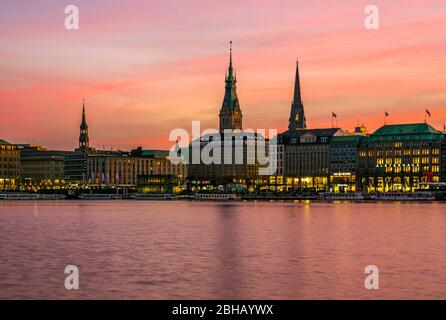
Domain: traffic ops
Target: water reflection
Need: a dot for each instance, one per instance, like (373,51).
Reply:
(243,250)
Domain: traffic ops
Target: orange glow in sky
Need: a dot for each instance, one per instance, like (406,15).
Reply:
(146,67)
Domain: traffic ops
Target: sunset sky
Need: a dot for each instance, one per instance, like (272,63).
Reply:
(146,67)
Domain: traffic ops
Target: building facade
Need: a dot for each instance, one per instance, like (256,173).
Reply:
(88,168)
(343,162)
(405,157)
(234,162)
(9,166)
(306,158)
(41,169)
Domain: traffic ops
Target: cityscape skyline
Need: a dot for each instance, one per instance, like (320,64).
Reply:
(130,81)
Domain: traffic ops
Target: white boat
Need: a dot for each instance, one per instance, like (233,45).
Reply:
(19,196)
(52,196)
(216,196)
(148,196)
(344,196)
(100,196)
(404,196)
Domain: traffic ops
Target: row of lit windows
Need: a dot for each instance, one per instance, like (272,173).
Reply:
(406,152)
(424,160)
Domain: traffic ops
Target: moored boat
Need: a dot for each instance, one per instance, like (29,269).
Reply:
(343,196)
(404,196)
(216,196)
(148,196)
(100,196)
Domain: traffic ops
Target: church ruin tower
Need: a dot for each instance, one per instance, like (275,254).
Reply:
(230,112)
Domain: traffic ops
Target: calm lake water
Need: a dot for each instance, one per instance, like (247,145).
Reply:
(204,250)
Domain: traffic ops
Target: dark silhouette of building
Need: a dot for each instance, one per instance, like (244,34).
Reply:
(297,114)
(84,140)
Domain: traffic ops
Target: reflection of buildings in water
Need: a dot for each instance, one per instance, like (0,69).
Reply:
(228,272)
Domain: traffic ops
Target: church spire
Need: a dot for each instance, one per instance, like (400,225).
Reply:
(297,96)
(84,141)
(84,121)
(230,68)
(230,112)
(297,115)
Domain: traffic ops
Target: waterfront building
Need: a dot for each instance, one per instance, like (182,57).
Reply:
(158,183)
(237,166)
(88,168)
(41,169)
(118,169)
(9,166)
(306,158)
(343,161)
(403,157)
(75,169)
(305,151)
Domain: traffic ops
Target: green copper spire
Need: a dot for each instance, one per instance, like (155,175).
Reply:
(230,69)
(230,113)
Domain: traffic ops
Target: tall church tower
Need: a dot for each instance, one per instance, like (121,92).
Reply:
(297,115)
(230,112)
(84,141)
